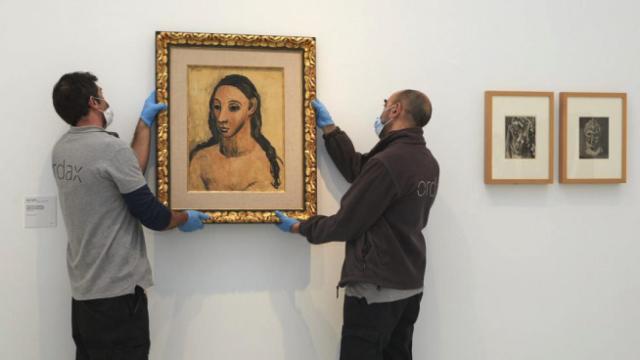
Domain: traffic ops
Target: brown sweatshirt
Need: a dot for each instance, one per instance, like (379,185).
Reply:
(382,215)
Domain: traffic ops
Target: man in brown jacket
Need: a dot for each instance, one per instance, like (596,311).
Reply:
(381,218)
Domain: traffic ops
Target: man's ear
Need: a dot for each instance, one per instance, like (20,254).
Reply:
(397,109)
(253,104)
(93,103)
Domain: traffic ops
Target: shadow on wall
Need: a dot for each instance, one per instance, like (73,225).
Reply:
(53,292)
(240,258)
(450,274)
(336,184)
(227,258)
(297,341)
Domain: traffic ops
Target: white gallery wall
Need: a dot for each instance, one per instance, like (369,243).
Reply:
(514,272)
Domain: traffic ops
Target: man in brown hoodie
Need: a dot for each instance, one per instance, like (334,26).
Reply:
(381,218)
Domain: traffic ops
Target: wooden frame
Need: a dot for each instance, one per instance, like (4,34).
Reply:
(207,159)
(521,113)
(605,112)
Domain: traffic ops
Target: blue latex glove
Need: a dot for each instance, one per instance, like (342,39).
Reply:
(286,223)
(150,109)
(323,118)
(194,222)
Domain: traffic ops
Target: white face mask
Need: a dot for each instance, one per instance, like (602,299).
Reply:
(108,117)
(378,126)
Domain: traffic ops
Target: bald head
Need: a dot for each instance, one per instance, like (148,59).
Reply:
(415,104)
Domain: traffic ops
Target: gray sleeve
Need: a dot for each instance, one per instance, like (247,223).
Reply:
(124,170)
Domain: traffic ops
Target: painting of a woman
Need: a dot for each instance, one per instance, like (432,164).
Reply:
(237,157)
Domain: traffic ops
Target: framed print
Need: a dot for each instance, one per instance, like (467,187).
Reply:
(593,138)
(518,137)
(238,138)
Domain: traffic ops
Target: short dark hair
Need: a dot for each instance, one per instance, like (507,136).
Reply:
(71,95)
(417,105)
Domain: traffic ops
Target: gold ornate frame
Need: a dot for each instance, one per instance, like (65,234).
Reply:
(307,47)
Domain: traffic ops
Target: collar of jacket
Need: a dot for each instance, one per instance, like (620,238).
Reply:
(404,136)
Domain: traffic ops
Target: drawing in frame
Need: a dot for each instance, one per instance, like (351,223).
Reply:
(519,132)
(593,138)
(238,138)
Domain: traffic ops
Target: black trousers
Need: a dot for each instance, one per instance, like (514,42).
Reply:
(112,328)
(379,331)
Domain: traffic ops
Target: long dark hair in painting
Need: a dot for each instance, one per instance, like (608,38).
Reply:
(249,90)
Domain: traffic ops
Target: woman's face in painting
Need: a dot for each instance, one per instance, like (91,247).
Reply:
(233,110)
